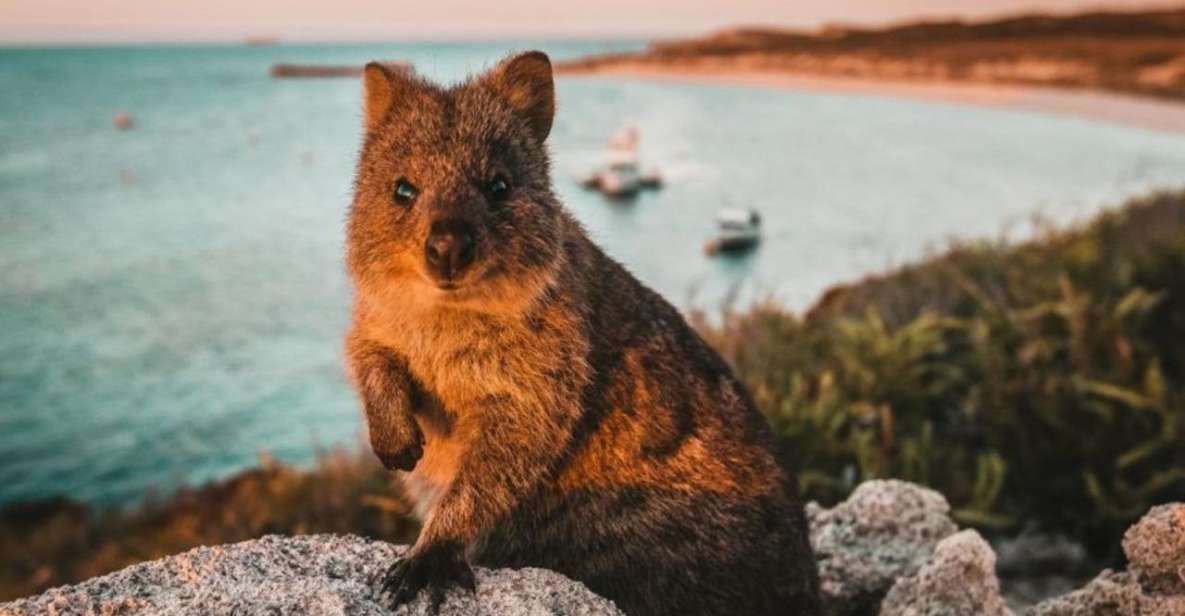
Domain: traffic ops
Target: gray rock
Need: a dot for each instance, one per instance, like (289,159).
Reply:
(1155,585)
(884,531)
(1040,554)
(889,549)
(958,580)
(315,575)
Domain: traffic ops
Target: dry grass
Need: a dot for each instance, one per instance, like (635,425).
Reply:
(58,542)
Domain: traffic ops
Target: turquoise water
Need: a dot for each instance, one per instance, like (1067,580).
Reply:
(172,297)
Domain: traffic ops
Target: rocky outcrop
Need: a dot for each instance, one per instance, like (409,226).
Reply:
(890,549)
(318,575)
(1153,585)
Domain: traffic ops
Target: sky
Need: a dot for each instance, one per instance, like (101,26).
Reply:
(308,20)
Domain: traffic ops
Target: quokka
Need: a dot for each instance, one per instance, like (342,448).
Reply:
(546,408)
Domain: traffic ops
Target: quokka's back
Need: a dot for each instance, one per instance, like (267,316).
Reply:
(545,408)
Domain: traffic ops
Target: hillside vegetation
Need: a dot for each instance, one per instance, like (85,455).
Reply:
(1035,384)
(1138,52)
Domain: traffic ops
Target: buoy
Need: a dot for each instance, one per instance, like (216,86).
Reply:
(122,121)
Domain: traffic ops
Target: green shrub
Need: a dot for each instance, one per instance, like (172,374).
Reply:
(1034,384)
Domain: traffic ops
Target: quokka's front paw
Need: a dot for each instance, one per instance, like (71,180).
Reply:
(435,569)
(398,451)
(403,459)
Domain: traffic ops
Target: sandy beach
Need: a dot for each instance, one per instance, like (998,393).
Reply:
(1130,110)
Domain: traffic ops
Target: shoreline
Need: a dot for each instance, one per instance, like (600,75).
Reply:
(1160,115)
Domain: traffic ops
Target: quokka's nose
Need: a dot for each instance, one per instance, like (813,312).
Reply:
(449,249)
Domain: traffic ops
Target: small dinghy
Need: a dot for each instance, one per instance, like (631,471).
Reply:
(739,232)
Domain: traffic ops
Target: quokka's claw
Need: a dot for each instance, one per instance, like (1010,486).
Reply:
(435,569)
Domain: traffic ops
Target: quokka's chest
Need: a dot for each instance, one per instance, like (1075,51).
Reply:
(467,362)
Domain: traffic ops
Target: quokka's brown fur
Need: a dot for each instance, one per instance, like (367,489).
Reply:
(549,409)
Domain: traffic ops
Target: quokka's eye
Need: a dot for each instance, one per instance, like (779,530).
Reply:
(498,188)
(405,193)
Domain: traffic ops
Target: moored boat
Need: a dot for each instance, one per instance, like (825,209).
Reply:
(739,232)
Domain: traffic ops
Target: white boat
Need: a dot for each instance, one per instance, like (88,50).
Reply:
(739,231)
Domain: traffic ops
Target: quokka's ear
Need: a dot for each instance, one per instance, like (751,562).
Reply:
(525,80)
(384,85)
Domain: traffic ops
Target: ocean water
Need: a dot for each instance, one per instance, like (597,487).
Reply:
(172,297)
